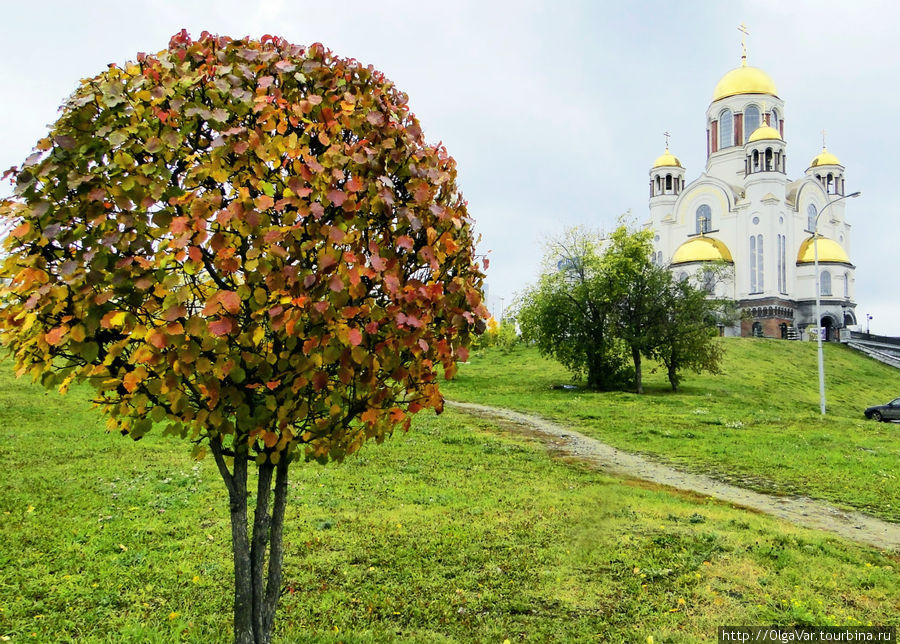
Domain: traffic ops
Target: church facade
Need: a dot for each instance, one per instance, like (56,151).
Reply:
(747,220)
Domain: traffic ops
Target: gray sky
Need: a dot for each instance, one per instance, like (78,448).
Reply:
(554,111)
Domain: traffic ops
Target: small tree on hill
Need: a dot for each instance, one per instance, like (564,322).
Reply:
(569,313)
(684,339)
(250,243)
(636,288)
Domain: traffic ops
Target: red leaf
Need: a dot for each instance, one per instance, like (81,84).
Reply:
(264,202)
(405,241)
(195,254)
(354,185)
(222,326)
(273,384)
(463,353)
(179,225)
(337,197)
(355,337)
(157,339)
(336,284)
(320,380)
(231,301)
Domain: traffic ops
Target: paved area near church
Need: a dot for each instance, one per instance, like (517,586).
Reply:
(802,511)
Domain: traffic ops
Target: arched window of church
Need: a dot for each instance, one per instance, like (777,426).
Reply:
(751,121)
(668,183)
(768,159)
(659,258)
(811,218)
(759,263)
(825,281)
(753,263)
(704,219)
(773,119)
(682,276)
(756,160)
(829,186)
(846,285)
(726,132)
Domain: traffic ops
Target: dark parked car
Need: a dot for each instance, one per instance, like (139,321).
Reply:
(890,411)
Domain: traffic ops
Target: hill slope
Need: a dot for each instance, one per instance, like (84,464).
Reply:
(757,424)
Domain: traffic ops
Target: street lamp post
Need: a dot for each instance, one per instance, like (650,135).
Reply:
(819,299)
(868,319)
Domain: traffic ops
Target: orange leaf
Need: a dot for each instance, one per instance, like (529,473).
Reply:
(231,301)
(55,336)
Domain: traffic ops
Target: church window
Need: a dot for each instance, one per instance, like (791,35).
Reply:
(756,264)
(756,160)
(659,258)
(846,285)
(773,119)
(811,218)
(704,219)
(829,185)
(825,281)
(751,121)
(726,133)
(668,183)
(682,276)
(781,254)
(768,159)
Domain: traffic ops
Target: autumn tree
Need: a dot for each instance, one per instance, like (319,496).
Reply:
(248,244)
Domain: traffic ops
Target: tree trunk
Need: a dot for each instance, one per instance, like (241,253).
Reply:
(257,588)
(638,379)
(673,374)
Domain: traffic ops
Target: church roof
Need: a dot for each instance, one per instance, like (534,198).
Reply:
(764,132)
(744,80)
(667,159)
(829,251)
(702,249)
(824,158)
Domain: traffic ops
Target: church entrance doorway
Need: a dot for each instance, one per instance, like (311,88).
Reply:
(827,328)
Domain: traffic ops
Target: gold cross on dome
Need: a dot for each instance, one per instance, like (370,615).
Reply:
(743,29)
(823,139)
(667,135)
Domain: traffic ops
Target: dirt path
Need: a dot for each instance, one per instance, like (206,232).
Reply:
(803,511)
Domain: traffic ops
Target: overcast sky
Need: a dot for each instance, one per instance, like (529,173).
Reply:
(554,111)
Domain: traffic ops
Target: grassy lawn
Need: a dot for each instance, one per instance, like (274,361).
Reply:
(452,532)
(756,425)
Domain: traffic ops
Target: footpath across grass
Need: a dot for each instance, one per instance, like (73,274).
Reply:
(756,425)
(454,532)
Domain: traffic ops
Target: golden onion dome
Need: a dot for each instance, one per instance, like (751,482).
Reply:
(702,249)
(764,133)
(744,80)
(667,159)
(829,251)
(824,158)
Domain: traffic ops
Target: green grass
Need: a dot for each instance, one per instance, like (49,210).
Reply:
(452,532)
(756,425)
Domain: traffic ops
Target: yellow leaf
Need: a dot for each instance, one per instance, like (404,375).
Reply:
(173,615)
(30,509)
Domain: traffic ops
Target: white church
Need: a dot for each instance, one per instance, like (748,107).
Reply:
(744,213)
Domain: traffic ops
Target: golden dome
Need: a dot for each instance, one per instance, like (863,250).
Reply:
(824,158)
(764,132)
(829,251)
(702,249)
(744,80)
(667,159)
